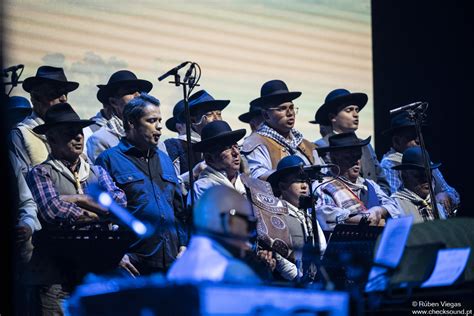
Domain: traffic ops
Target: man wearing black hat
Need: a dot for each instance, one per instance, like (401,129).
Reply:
(122,87)
(277,137)
(403,134)
(48,87)
(59,186)
(222,157)
(350,198)
(341,111)
(147,176)
(203,109)
(413,197)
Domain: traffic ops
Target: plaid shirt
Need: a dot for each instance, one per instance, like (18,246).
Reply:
(393,158)
(51,208)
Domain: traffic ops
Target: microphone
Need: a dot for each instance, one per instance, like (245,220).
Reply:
(314,172)
(12,69)
(188,73)
(173,71)
(410,106)
(103,198)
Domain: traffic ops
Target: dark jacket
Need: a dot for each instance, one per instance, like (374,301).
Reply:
(153,196)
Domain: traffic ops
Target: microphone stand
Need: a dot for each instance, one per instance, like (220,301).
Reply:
(314,247)
(417,115)
(191,82)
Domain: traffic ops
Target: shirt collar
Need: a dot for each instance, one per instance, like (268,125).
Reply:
(126,147)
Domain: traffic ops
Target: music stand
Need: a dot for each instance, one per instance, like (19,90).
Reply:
(349,254)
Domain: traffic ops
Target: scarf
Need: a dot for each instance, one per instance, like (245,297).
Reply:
(346,194)
(220,177)
(423,205)
(115,126)
(77,177)
(295,137)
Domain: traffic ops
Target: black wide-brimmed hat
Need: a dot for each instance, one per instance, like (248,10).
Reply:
(121,78)
(343,141)
(177,117)
(286,166)
(217,134)
(254,111)
(51,75)
(203,102)
(413,159)
(61,113)
(274,93)
(400,120)
(335,101)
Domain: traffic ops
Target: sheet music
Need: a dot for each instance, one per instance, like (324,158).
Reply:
(389,252)
(450,263)
(392,243)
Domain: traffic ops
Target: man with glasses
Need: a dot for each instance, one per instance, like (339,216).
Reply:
(222,157)
(349,198)
(218,250)
(203,109)
(48,87)
(277,137)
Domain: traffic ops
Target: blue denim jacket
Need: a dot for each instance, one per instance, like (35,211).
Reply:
(154,197)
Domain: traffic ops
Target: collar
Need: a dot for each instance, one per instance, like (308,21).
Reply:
(126,147)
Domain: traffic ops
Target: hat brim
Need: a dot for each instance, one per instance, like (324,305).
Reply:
(275,177)
(322,115)
(224,139)
(42,129)
(326,149)
(171,124)
(106,91)
(248,116)
(31,82)
(409,166)
(313,122)
(208,106)
(275,99)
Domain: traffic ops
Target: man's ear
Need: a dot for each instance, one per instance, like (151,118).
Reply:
(332,117)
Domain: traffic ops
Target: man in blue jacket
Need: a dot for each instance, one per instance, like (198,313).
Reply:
(147,176)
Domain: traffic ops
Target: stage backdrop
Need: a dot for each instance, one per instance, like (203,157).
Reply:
(314,46)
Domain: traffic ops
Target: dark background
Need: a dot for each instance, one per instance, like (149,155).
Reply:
(423,51)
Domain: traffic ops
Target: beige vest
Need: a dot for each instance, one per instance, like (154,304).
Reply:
(36,148)
(277,151)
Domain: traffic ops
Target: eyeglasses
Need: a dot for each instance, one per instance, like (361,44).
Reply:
(285,108)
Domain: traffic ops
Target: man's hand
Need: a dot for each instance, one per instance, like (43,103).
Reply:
(375,215)
(128,266)
(181,251)
(23,232)
(87,216)
(267,257)
(86,202)
(444,199)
